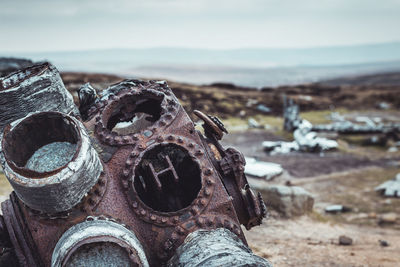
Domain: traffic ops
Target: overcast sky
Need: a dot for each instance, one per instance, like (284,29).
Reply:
(51,25)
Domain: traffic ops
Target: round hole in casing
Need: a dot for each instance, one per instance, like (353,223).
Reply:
(133,113)
(100,254)
(167,178)
(42,142)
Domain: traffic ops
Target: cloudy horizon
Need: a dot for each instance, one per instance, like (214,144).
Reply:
(46,25)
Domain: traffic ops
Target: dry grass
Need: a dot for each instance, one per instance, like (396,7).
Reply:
(5,187)
(321,116)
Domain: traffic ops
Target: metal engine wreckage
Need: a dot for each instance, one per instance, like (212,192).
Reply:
(126,180)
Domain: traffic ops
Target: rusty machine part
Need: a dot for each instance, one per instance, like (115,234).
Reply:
(230,163)
(21,91)
(214,248)
(64,184)
(132,179)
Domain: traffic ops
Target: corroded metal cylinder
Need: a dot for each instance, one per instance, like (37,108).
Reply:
(49,161)
(98,242)
(37,88)
(219,247)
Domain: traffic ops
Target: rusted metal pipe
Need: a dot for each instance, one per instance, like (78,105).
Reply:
(67,179)
(81,245)
(36,88)
(219,247)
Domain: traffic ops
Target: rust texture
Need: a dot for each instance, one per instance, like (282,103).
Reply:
(158,178)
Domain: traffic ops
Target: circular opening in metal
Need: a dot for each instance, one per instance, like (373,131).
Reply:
(133,113)
(167,178)
(41,143)
(100,254)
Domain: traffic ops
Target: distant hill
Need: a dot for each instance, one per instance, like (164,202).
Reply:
(253,57)
(248,67)
(382,79)
(227,100)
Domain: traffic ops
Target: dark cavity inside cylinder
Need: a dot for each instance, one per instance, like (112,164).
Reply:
(167,179)
(35,132)
(100,254)
(133,113)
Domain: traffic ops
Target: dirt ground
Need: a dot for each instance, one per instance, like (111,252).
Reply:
(304,164)
(348,177)
(312,240)
(306,242)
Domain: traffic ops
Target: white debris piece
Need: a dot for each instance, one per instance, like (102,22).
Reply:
(390,188)
(280,147)
(337,209)
(366,120)
(336,116)
(384,105)
(262,169)
(304,140)
(309,141)
(253,123)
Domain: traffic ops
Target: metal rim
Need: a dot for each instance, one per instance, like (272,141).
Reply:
(63,188)
(202,199)
(169,111)
(92,231)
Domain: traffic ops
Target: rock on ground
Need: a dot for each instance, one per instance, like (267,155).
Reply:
(289,201)
(262,169)
(345,240)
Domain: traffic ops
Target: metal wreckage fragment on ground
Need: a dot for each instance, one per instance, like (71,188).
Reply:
(390,188)
(137,182)
(306,135)
(305,139)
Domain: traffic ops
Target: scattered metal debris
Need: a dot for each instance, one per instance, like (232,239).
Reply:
(368,126)
(251,102)
(280,147)
(337,209)
(253,123)
(363,125)
(336,116)
(291,115)
(263,108)
(390,188)
(384,105)
(305,139)
(261,169)
(309,141)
